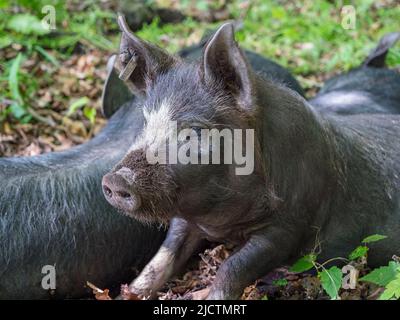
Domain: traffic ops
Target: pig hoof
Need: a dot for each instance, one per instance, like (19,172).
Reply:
(142,293)
(216,295)
(201,294)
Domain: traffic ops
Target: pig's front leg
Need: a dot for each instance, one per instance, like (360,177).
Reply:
(260,254)
(179,245)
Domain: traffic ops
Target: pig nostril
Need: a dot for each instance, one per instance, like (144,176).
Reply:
(118,195)
(107,191)
(123,194)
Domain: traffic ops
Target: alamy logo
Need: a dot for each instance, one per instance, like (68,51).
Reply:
(49,280)
(49,20)
(348,14)
(350,277)
(205,146)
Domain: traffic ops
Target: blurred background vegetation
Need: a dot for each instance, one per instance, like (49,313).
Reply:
(51,80)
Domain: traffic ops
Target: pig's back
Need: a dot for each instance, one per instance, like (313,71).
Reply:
(362,90)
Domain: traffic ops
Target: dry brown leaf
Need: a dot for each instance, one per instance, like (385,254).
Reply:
(98,293)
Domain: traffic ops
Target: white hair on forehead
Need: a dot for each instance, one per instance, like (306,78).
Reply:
(157,127)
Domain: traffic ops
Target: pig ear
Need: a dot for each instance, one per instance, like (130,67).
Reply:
(139,61)
(224,62)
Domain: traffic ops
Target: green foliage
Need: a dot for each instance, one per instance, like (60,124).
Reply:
(90,114)
(5,41)
(47,56)
(77,104)
(26,24)
(35,6)
(331,281)
(202,5)
(358,252)
(392,289)
(387,276)
(361,251)
(303,264)
(13,79)
(17,107)
(71,27)
(25,31)
(297,33)
(383,275)
(82,103)
(280,282)
(374,238)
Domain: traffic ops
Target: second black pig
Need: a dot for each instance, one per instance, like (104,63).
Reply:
(371,88)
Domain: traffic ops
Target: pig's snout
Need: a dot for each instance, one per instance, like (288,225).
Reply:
(118,191)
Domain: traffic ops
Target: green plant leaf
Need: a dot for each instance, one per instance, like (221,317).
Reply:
(358,252)
(383,275)
(374,238)
(26,118)
(13,79)
(264,297)
(26,24)
(4,3)
(17,110)
(5,41)
(392,290)
(331,281)
(202,5)
(48,56)
(278,13)
(303,264)
(90,114)
(77,104)
(280,282)
(17,107)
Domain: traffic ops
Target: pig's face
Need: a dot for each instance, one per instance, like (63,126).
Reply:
(172,167)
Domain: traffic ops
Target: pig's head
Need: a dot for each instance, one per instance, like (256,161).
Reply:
(217,92)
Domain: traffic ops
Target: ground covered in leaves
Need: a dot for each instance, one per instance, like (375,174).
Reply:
(73,90)
(280,284)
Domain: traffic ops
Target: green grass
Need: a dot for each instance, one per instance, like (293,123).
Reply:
(23,31)
(307,37)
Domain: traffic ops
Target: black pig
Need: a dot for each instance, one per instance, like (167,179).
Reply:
(52,210)
(52,213)
(371,88)
(318,176)
(116,92)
